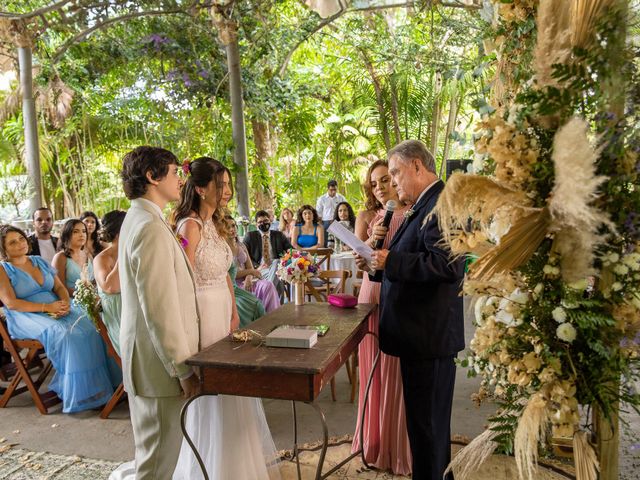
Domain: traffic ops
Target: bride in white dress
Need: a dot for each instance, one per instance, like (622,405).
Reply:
(230,433)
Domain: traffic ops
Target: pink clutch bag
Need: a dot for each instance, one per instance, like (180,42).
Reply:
(342,300)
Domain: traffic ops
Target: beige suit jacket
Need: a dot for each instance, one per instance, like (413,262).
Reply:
(159,324)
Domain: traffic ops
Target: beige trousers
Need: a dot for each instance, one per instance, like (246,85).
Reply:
(157,435)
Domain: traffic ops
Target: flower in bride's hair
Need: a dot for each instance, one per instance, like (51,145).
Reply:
(186,167)
(182,241)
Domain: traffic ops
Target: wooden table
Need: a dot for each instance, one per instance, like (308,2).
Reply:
(249,370)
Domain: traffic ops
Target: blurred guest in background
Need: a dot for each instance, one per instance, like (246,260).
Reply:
(93,246)
(42,242)
(326,205)
(72,261)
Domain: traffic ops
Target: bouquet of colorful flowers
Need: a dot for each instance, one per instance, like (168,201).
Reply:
(297,266)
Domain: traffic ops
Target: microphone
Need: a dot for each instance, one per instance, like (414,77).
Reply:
(391,206)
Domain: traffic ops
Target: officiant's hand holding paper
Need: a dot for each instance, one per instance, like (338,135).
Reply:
(379,259)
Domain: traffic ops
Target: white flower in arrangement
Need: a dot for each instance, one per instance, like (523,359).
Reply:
(635,301)
(537,290)
(621,269)
(566,332)
(478,309)
(519,297)
(580,285)
(632,261)
(478,161)
(559,315)
(610,258)
(499,226)
(616,286)
(550,270)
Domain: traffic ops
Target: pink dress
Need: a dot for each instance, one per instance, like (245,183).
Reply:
(386,443)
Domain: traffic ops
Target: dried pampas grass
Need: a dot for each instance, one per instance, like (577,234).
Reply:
(515,248)
(554,39)
(531,428)
(471,457)
(584,18)
(573,217)
(474,197)
(585,458)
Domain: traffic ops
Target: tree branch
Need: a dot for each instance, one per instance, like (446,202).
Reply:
(451,4)
(315,30)
(35,13)
(85,33)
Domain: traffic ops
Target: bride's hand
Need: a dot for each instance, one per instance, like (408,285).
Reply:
(235,321)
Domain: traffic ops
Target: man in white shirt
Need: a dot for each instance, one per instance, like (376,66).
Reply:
(327,204)
(42,242)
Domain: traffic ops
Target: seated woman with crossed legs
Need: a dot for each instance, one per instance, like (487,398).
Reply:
(37,305)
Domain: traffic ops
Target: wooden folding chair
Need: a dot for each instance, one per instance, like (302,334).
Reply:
(320,294)
(323,256)
(44,401)
(357,283)
(119,393)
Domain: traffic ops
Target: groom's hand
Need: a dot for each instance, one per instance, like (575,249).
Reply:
(190,386)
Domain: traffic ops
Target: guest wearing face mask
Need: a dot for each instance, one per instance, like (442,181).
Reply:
(264,246)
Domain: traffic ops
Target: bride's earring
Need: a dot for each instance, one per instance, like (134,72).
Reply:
(202,196)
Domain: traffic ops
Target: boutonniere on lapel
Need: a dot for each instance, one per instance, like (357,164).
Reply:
(182,241)
(408,213)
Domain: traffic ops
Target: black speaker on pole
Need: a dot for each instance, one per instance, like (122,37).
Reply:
(459,165)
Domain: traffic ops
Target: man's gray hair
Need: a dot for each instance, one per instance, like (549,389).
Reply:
(410,149)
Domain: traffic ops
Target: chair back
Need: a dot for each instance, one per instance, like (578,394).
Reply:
(323,256)
(102,329)
(320,293)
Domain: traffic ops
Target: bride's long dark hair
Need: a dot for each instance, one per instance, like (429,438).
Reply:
(200,172)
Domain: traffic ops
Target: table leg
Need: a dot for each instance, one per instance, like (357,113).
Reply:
(183,416)
(325,430)
(295,439)
(366,398)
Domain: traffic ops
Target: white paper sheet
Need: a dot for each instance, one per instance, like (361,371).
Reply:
(347,237)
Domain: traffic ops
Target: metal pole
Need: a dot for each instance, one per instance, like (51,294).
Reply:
(238,128)
(32,152)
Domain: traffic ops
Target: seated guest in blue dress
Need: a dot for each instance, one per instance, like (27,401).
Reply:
(308,232)
(37,306)
(72,258)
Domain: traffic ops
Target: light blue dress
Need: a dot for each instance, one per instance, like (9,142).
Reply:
(111,312)
(84,378)
(74,272)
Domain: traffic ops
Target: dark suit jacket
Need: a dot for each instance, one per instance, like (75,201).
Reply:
(253,241)
(420,304)
(35,246)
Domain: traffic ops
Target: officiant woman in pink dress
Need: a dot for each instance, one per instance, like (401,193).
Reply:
(384,430)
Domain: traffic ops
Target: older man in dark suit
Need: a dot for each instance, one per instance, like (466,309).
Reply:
(421,318)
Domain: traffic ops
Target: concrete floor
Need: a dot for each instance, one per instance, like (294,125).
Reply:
(87,435)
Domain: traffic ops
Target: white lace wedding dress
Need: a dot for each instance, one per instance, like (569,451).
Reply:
(230,433)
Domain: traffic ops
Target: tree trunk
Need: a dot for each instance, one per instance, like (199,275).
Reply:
(608,431)
(453,115)
(32,152)
(228,33)
(435,125)
(261,171)
(393,95)
(377,87)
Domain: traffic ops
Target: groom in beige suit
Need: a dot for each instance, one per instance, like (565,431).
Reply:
(159,329)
